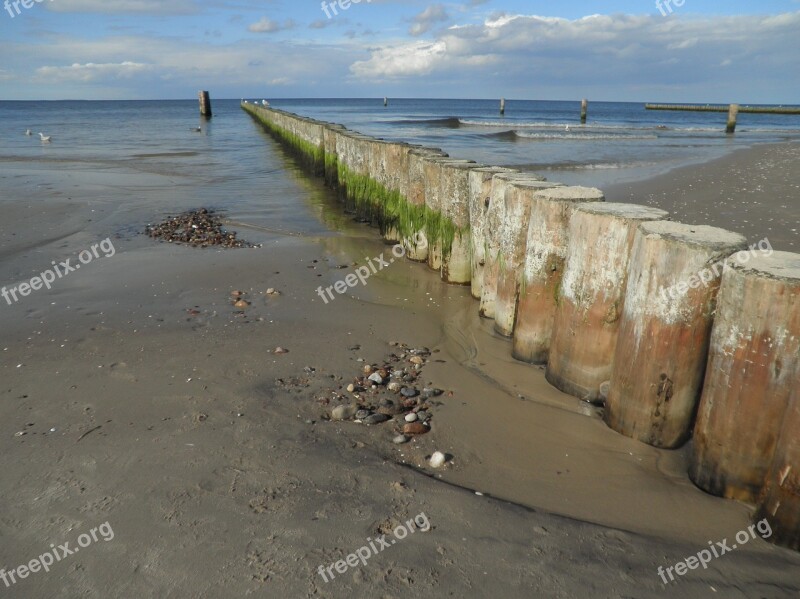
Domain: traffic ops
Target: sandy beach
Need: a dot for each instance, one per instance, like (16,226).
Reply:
(135,394)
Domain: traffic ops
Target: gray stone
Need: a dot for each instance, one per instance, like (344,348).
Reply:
(343,412)
(375,419)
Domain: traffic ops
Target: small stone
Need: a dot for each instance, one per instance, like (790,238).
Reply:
(415,428)
(412,417)
(409,392)
(394,387)
(423,416)
(367,369)
(361,414)
(376,378)
(400,439)
(375,419)
(431,392)
(273,291)
(241,304)
(343,412)
(384,373)
(409,403)
(237,294)
(416,360)
(351,387)
(438,459)
(280,350)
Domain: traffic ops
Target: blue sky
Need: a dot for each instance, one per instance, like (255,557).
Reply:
(688,50)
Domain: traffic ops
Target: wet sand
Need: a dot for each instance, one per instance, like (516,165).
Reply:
(753,192)
(213,460)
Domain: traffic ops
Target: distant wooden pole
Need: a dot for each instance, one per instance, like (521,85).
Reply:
(205,104)
(386,101)
(733,112)
(502,105)
(584,110)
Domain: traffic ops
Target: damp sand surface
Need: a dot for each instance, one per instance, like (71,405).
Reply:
(149,402)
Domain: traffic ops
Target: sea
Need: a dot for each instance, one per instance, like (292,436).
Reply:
(621,141)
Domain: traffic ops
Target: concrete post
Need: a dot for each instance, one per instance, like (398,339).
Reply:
(513,241)
(591,296)
(753,359)
(493,224)
(780,500)
(480,191)
(666,325)
(455,200)
(416,197)
(548,236)
(733,113)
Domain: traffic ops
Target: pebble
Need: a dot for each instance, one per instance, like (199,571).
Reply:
(375,419)
(343,412)
(376,378)
(415,428)
(367,369)
(351,387)
(412,417)
(394,387)
(241,304)
(431,392)
(400,439)
(281,350)
(423,416)
(409,392)
(361,414)
(416,360)
(437,459)
(198,228)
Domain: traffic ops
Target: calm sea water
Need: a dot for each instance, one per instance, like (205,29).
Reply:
(621,141)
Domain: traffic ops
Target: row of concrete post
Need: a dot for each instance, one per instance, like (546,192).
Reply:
(679,330)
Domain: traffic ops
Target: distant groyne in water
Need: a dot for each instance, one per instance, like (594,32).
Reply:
(725,108)
(679,330)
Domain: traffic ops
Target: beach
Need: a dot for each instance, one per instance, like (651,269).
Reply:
(136,394)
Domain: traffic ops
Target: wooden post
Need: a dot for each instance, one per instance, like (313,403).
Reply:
(502,105)
(780,502)
(584,110)
(513,237)
(752,359)
(592,294)
(662,348)
(205,104)
(733,112)
(545,252)
(386,101)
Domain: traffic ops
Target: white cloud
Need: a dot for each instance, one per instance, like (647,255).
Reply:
(608,51)
(266,25)
(91,71)
(154,7)
(423,22)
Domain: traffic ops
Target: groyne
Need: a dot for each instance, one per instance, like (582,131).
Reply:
(656,320)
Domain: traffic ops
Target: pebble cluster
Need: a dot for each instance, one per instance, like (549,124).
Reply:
(390,392)
(198,228)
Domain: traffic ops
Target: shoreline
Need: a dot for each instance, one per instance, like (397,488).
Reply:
(220,476)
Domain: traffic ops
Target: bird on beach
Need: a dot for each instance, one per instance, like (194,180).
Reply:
(264,103)
(28,132)
(44,138)
(566,128)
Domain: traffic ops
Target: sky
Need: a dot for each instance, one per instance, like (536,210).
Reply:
(618,50)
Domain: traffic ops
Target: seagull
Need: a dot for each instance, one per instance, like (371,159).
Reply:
(44,138)
(566,128)
(264,103)
(28,132)
(198,129)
